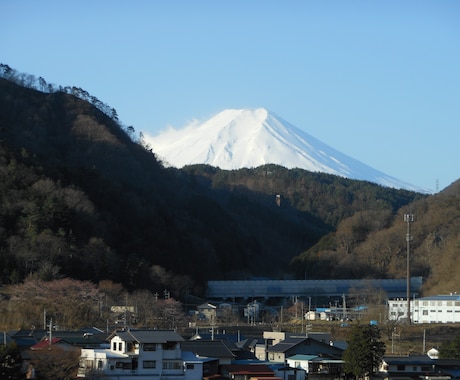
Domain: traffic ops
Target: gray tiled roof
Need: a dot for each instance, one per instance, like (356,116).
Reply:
(150,336)
(209,348)
(286,344)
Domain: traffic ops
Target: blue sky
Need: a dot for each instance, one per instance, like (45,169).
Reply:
(377,80)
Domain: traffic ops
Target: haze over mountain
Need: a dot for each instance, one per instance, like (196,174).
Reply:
(248,138)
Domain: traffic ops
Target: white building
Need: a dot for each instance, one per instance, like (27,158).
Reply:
(432,309)
(141,354)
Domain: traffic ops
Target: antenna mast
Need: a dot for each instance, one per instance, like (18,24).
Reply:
(408,218)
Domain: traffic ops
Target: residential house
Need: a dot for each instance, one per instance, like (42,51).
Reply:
(55,342)
(25,339)
(222,350)
(140,354)
(316,366)
(286,372)
(47,348)
(85,338)
(274,337)
(418,367)
(247,348)
(206,312)
(247,371)
(280,352)
(260,370)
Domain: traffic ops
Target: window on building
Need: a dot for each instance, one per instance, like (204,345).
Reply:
(172,364)
(457,303)
(120,346)
(169,346)
(150,347)
(99,364)
(149,364)
(449,303)
(425,312)
(123,365)
(114,346)
(425,303)
(190,366)
(89,364)
(400,367)
(426,368)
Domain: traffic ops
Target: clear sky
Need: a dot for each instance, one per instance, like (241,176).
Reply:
(377,80)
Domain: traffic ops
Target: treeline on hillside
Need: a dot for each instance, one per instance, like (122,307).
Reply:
(325,197)
(107,305)
(40,84)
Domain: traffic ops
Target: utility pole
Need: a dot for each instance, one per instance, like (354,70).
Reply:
(408,218)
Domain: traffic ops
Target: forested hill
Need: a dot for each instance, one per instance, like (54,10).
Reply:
(80,198)
(368,238)
(374,242)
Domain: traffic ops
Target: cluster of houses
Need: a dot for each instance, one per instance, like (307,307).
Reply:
(165,355)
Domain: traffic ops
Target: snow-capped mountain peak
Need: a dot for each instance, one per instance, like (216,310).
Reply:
(248,138)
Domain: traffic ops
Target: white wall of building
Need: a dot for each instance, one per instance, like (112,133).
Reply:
(433,309)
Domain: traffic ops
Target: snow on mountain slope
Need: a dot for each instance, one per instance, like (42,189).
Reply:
(249,138)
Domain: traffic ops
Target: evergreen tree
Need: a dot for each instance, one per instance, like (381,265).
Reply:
(10,362)
(364,352)
(451,349)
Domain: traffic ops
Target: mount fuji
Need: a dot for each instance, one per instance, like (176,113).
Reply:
(248,138)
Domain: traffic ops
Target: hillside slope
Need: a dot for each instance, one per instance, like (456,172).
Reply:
(374,242)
